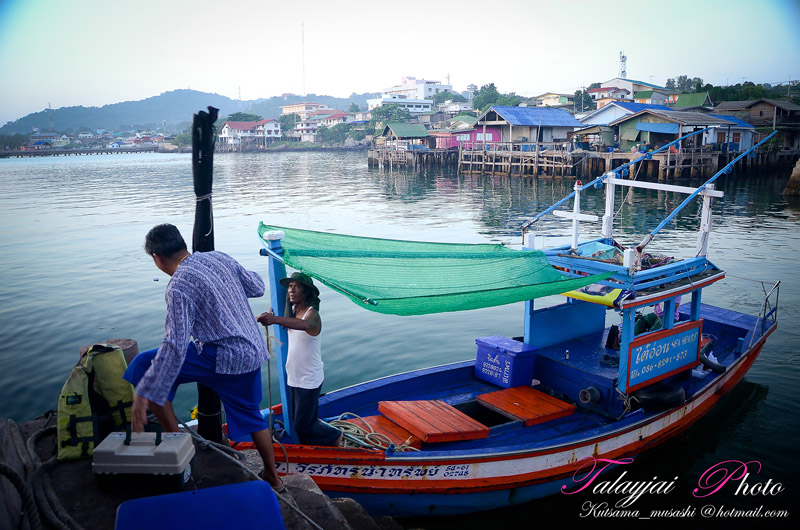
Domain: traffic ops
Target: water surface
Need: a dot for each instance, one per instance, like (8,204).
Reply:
(73,272)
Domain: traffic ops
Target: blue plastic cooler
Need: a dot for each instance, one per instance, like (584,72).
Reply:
(504,362)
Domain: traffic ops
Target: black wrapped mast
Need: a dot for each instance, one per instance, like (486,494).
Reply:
(209,418)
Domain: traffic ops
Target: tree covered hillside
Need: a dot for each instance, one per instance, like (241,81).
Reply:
(168,109)
(170,112)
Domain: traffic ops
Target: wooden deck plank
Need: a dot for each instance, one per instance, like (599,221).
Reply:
(526,404)
(428,413)
(383,425)
(433,420)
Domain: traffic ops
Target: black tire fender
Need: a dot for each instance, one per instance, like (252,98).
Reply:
(660,397)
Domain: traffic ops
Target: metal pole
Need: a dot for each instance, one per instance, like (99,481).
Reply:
(649,237)
(277,270)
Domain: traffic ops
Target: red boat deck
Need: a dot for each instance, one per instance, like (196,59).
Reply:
(382,425)
(433,420)
(526,404)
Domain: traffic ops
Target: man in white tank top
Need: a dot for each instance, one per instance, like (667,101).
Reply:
(304,367)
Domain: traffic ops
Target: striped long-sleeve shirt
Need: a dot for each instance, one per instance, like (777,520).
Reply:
(207,300)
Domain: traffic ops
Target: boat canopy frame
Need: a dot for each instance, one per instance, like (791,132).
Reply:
(640,287)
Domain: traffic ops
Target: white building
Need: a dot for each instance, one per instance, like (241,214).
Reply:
(616,110)
(412,105)
(612,92)
(631,85)
(455,107)
(412,94)
(413,88)
(336,118)
(304,109)
(554,99)
(261,133)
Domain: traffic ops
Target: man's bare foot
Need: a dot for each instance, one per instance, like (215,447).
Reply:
(279,488)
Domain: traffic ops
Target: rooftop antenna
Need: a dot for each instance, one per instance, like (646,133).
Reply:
(623,70)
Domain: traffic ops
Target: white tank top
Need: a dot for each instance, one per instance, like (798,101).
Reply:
(304,362)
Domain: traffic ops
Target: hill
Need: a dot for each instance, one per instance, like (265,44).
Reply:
(170,112)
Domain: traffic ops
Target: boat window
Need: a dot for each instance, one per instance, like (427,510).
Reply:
(481,414)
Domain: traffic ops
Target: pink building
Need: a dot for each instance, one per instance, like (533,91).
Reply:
(445,139)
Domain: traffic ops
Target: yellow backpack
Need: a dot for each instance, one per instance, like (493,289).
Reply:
(95,400)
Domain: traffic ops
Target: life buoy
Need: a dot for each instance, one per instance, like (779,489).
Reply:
(660,397)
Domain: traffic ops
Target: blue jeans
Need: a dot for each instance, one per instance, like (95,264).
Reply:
(240,393)
(305,418)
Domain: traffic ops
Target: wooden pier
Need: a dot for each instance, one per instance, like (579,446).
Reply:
(553,161)
(413,159)
(521,160)
(77,152)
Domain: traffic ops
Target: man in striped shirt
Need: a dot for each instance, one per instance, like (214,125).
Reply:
(207,302)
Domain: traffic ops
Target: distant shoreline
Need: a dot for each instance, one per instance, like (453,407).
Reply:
(121,151)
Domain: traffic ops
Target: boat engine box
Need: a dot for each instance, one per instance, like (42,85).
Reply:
(504,362)
(149,461)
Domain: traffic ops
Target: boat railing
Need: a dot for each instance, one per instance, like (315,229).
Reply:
(622,171)
(725,170)
(642,279)
(768,316)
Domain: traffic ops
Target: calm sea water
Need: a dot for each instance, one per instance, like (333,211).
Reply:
(73,272)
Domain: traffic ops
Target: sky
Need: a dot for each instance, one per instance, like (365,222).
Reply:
(97,52)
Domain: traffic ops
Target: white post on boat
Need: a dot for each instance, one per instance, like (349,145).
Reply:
(576,214)
(705,224)
(576,211)
(608,217)
(277,293)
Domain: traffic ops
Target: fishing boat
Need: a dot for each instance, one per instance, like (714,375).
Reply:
(595,377)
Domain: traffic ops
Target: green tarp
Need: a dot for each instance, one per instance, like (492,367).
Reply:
(416,278)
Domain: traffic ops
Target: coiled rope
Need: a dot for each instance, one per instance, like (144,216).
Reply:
(628,401)
(38,481)
(367,434)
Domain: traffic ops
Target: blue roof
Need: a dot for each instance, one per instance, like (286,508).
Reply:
(663,128)
(534,116)
(636,107)
(737,121)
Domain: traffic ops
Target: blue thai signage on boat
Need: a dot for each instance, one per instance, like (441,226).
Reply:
(660,354)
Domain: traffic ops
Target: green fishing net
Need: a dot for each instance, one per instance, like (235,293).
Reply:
(416,278)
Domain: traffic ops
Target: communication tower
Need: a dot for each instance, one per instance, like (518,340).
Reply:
(623,70)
